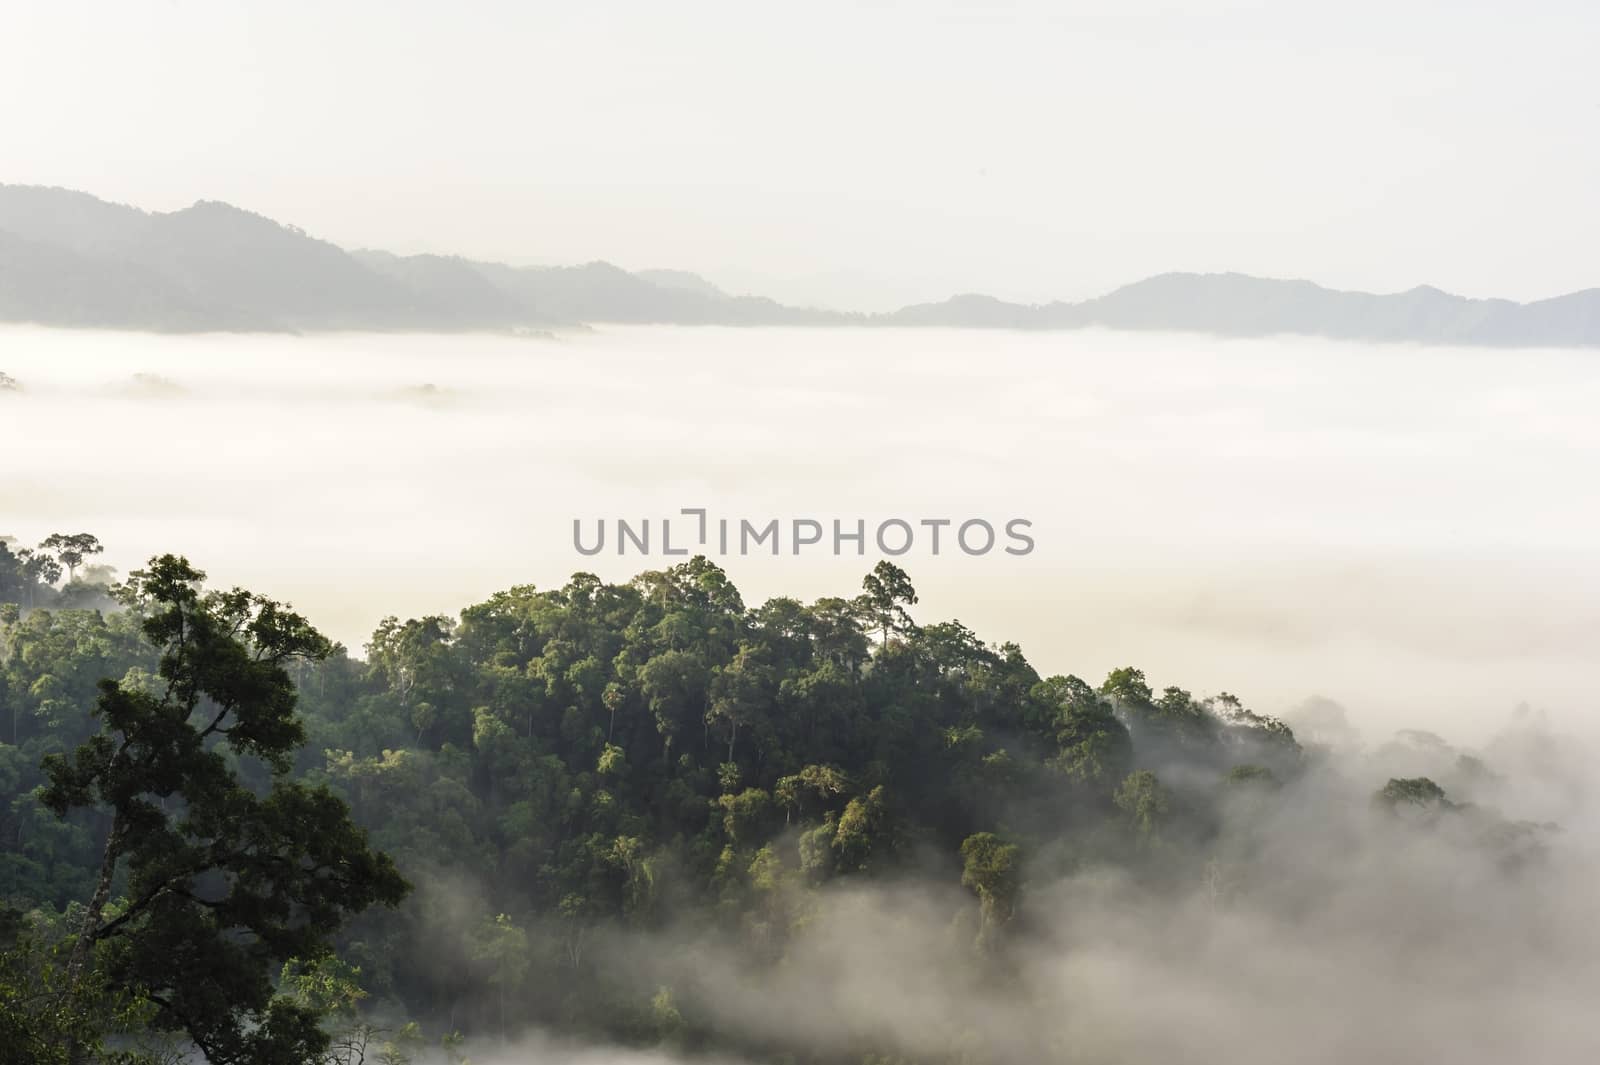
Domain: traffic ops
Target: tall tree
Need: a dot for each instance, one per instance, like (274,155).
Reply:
(71,550)
(886,592)
(991,867)
(224,884)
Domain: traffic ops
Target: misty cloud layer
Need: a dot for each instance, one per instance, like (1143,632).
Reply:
(1402,530)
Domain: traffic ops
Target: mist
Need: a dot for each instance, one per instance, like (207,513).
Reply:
(1402,530)
(1387,546)
(1314,927)
(446,610)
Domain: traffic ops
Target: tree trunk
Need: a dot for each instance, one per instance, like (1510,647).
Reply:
(78,961)
(97,904)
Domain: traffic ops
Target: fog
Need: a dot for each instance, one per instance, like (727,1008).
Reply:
(1313,929)
(1406,531)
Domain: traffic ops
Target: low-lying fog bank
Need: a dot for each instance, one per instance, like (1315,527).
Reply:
(1407,531)
(1318,927)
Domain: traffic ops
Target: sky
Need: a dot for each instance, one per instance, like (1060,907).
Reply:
(852,155)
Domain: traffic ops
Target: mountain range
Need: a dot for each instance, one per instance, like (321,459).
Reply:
(70,259)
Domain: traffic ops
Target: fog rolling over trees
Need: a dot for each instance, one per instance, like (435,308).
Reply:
(651,821)
(69,259)
(939,533)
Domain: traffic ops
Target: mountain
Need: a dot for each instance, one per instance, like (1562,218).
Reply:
(74,221)
(682,280)
(55,285)
(69,259)
(453,289)
(1235,305)
(975,311)
(601,292)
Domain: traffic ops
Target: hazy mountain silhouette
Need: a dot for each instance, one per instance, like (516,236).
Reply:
(1236,305)
(680,279)
(601,292)
(69,259)
(57,286)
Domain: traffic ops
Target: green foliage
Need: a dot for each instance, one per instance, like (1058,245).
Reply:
(38,1019)
(71,550)
(555,769)
(886,592)
(864,831)
(1251,776)
(1415,792)
(503,948)
(992,869)
(223,883)
(1145,803)
(1094,747)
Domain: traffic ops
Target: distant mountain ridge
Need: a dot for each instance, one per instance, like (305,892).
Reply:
(1237,305)
(70,259)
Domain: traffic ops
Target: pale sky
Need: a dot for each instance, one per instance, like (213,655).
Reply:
(855,155)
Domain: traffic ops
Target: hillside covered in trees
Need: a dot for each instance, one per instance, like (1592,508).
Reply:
(653,815)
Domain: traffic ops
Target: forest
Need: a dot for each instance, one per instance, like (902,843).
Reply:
(654,818)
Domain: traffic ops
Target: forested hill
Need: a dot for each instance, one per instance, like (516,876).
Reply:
(69,259)
(626,808)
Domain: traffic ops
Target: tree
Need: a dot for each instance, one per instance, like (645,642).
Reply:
(1093,746)
(1417,793)
(738,694)
(71,550)
(1127,685)
(991,867)
(503,948)
(743,814)
(22,572)
(864,830)
(1145,802)
(666,1021)
(1251,776)
(887,592)
(12,586)
(824,783)
(612,698)
(37,1022)
(673,683)
(225,884)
